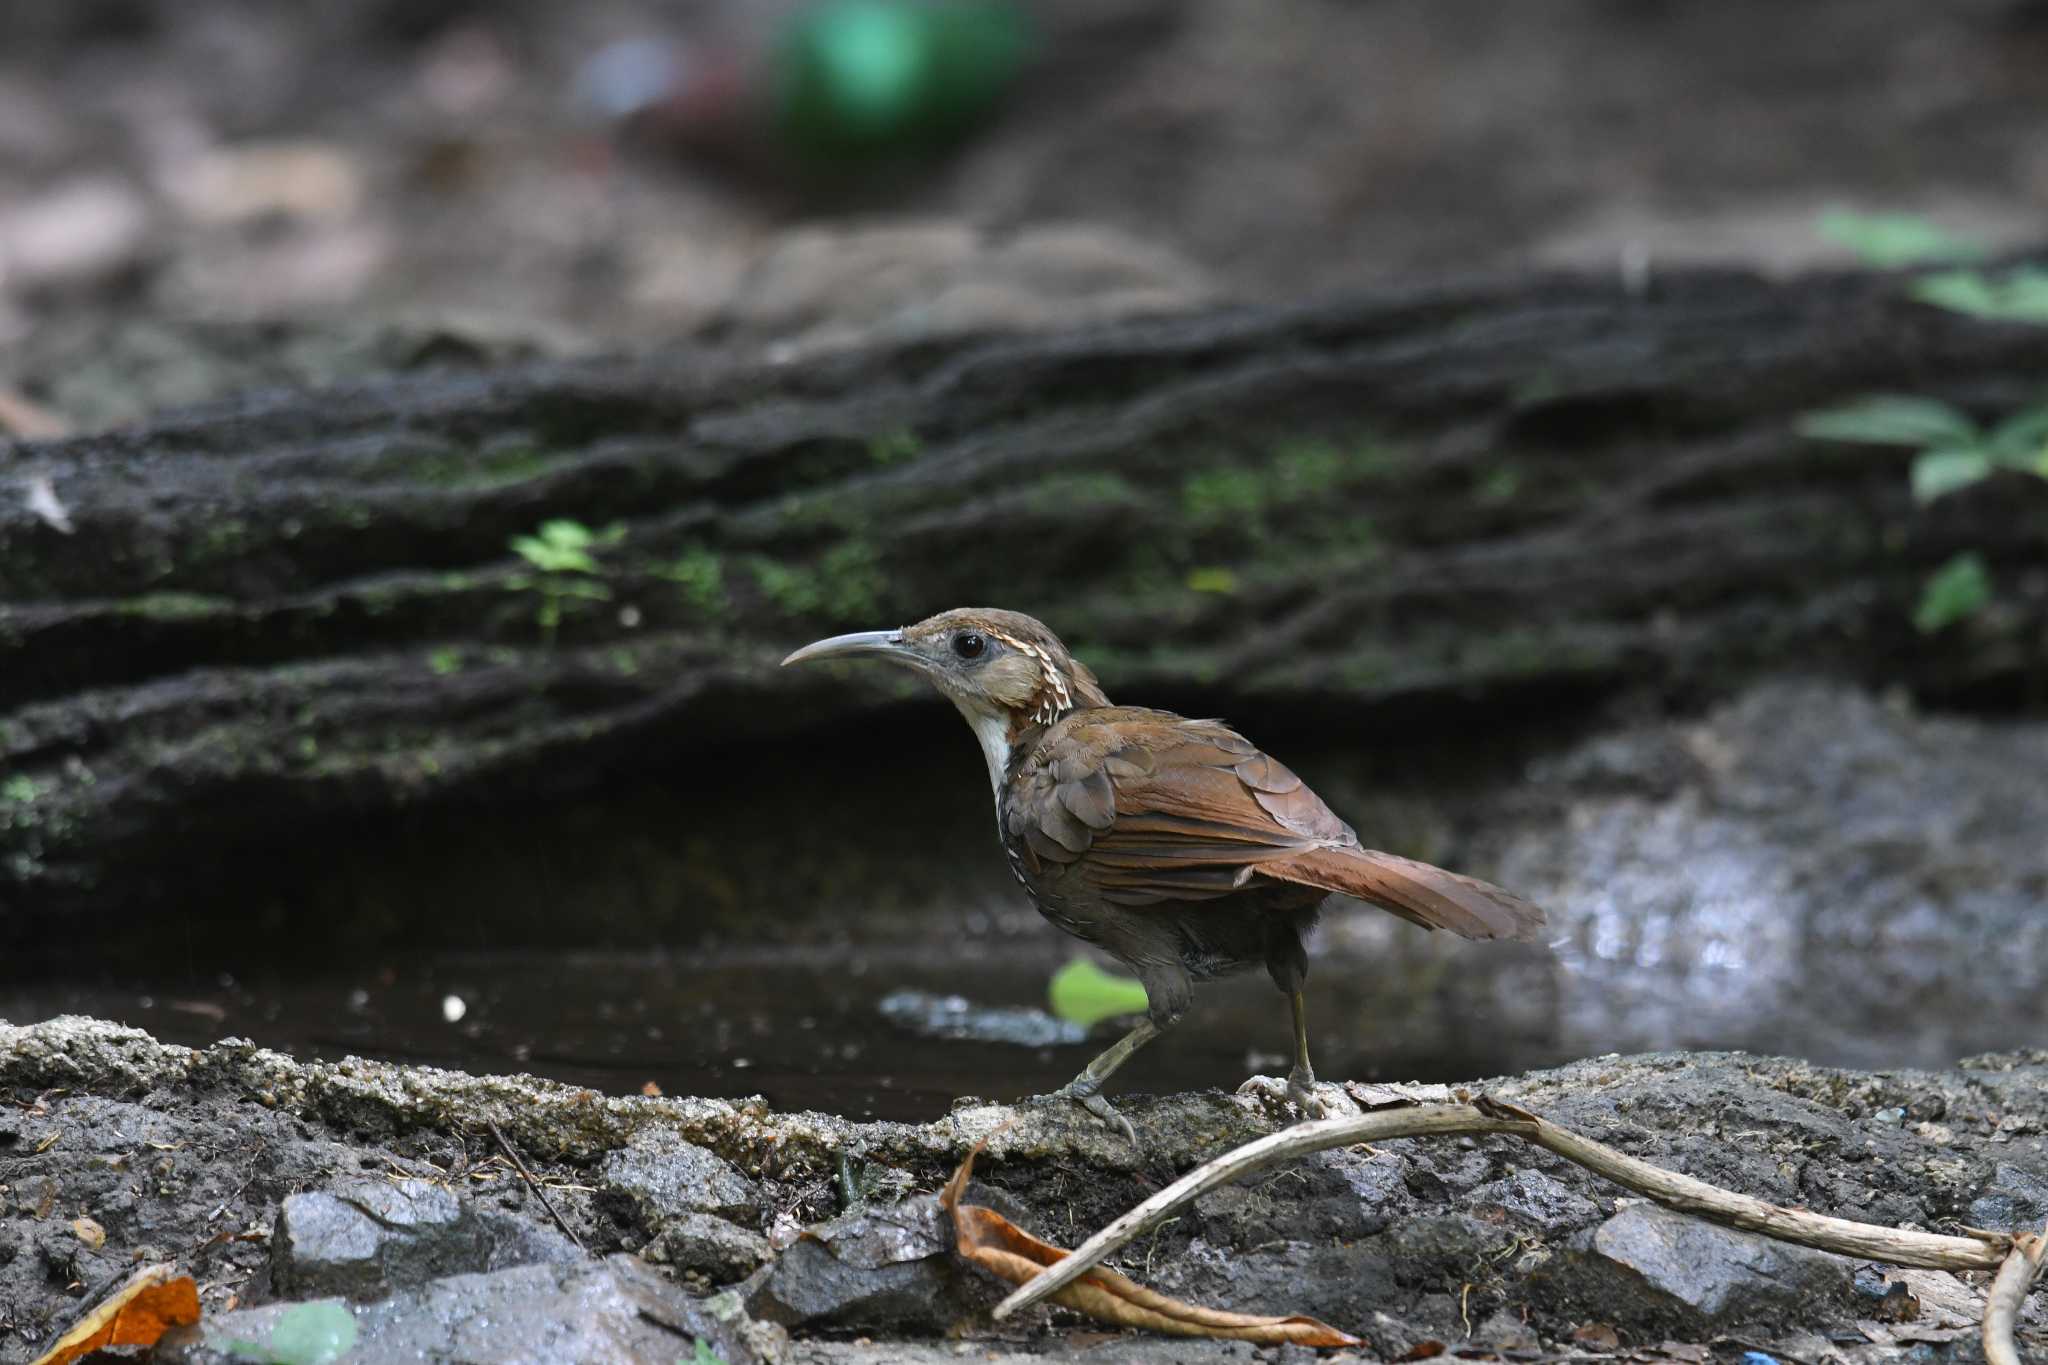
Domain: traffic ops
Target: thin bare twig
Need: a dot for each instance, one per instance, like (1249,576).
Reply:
(512,1153)
(1485,1115)
(2002,1307)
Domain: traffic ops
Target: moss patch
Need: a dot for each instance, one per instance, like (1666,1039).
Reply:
(174,606)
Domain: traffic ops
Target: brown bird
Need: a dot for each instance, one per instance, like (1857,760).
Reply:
(1173,844)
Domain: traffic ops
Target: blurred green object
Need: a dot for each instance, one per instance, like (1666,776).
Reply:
(1891,240)
(863,79)
(1955,592)
(1083,993)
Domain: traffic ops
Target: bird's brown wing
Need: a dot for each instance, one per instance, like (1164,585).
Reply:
(1151,807)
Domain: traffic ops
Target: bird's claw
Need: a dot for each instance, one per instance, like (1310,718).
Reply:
(1296,1093)
(1302,1095)
(1088,1094)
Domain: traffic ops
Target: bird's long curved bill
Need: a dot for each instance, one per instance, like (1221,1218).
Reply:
(883,644)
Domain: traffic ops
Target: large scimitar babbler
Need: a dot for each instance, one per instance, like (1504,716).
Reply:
(1173,844)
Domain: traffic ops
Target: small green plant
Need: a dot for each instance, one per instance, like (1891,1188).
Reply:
(894,447)
(846,585)
(1891,240)
(19,790)
(701,577)
(1498,486)
(701,1354)
(1298,473)
(1212,579)
(566,568)
(1214,497)
(1957,590)
(445,660)
(2018,295)
(1083,993)
(1955,452)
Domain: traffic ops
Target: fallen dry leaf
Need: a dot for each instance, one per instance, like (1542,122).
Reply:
(312,181)
(1422,1350)
(1371,1097)
(147,1304)
(20,416)
(650,1090)
(89,1232)
(1000,1247)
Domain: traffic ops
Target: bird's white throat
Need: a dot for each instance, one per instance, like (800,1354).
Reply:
(993,732)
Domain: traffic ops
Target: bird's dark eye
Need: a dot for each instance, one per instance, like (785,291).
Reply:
(968,644)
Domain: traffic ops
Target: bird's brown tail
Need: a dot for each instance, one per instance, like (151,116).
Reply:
(1417,892)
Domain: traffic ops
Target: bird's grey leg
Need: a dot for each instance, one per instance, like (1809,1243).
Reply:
(1167,994)
(1301,1081)
(1086,1088)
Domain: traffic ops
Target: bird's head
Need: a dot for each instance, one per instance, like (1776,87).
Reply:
(1006,672)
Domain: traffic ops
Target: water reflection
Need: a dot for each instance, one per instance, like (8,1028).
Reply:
(1805,871)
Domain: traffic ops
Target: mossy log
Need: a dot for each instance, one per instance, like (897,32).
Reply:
(292,613)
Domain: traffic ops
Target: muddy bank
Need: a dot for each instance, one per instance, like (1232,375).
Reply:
(791,1235)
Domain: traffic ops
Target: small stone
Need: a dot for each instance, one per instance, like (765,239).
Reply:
(361,1239)
(1649,1263)
(1443,1244)
(882,1268)
(665,1177)
(2013,1200)
(709,1246)
(1540,1201)
(1504,1331)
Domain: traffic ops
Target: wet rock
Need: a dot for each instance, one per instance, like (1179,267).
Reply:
(1649,1265)
(2014,1200)
(1086,1345)
(710,1246)
(665,1177)
(1374,1183)
(1445,1249)
(1537,1201)
(1339,1281)
(1804,866)
(1330,1196)
(363,1238)
(199,1143)
(930,1015)
(876,1269)
(615,1309)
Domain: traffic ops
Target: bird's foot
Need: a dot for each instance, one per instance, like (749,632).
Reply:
(1086,1091)
(1297,1096)
(1301,1093)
